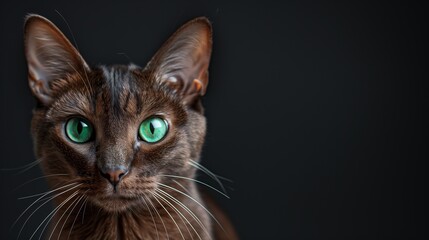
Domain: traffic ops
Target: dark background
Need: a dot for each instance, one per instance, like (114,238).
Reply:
(317,111)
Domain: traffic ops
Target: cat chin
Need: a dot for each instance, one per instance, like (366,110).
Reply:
(116,204)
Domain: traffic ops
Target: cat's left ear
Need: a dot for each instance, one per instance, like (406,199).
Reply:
(50,57)
(182,62)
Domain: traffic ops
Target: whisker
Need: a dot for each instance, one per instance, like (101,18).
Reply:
(183,187)
(46,193)
(200,223)
(84,209)
(86,83)
(181,216)
(74,204)
(32,180)
(162,221)
(24,168)
(59,220)
(160,191)
(224,178)
(74,221)
(98,213)
(52,214)
(31,165)
(28,218)
(151,215)
(197,181)
(184,194)
(174,221)
(124,54)
(209,173)
(91,91)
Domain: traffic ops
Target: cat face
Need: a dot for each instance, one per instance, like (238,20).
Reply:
(112,133)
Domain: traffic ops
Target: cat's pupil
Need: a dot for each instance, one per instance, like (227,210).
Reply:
(79,128)
(151,128)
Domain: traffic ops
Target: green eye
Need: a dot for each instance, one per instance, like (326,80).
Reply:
(153,129)
(78,130)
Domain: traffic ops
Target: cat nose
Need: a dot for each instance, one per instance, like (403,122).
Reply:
(114,175)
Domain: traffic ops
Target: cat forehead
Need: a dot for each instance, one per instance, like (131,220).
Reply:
(119,75)
(112,90)
(122,77)
(129,89)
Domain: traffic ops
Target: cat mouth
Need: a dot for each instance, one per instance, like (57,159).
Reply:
(117,196)
(116,202)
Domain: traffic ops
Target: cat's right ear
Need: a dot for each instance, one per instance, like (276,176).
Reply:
(182,62)
(50,56)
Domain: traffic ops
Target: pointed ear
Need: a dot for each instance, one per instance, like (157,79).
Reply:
(182,62)
(50,56)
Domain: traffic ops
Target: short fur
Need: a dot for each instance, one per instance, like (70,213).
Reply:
(156,199)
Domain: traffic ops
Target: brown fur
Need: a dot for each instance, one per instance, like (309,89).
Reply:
(115,100)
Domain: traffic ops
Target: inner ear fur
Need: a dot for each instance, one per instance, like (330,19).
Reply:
(182,61)
(50,56)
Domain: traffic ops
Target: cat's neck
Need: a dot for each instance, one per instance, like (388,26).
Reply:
(178,216)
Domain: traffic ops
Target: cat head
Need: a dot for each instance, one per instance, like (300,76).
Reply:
(113,133)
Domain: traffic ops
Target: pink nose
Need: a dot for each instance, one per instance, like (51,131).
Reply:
(114,175)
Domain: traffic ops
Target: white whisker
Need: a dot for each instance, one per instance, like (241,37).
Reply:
(24,168)
(48,200)
(74,204)
(74,221)
(51,215)
(182,217)
(184,194)
(46,193)
(159,215)
(84,210)
(209,173)
(151,215)
(86,83)
(59,220)
(197,181)
(185,208)
(183,187)
(30,166)
(174,221)
(189,211)
(77,48)
(32,180)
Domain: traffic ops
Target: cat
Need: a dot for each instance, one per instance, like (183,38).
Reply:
(119,145)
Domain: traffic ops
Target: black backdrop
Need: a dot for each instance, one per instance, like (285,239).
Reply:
(317,111)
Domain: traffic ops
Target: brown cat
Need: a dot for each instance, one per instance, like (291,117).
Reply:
(121,144)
